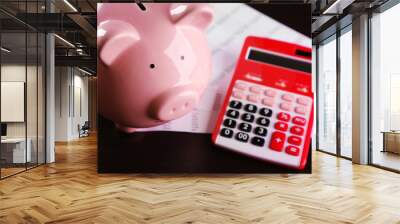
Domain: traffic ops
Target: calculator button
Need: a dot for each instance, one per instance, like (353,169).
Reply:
(303,89)
(292,150)
(281,84)
(243,137)
(235,104)
(263,121)
(287,97)
(232,113)
(268,102)
(294,140)
(248,117)
(260,131)
(252,98)
(266,112)
(299,121)
(300,110)
(238,95)
(245,127)
(283,116)
(255,89)
(285,106)
(257,141)
(240,86)
(297,130)
(227,133)
(230,123)
(270,92)
(302,101)
(281,126)
(277,141)
(250,108)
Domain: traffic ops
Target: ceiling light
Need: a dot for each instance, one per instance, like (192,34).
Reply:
(84,71)
(337,7)
(5,50)
(326,11)
(64,40)
(70,5)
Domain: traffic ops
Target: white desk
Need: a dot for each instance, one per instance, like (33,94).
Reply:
(18,149)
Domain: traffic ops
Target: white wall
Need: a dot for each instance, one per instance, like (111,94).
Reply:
(17,73)
(71,102)
(12,73)
(61,103)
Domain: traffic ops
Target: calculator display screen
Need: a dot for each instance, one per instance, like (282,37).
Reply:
(278,60)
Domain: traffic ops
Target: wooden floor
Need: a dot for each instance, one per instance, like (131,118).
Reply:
(70,191)
(387,159)
(10,171)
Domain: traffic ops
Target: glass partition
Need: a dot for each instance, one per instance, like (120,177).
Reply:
(13,94)
(22,77)
(327,96)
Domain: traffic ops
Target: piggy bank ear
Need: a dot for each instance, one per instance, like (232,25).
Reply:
(197,15)
(114,38)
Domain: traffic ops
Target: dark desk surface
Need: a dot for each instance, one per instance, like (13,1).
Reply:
(173,152)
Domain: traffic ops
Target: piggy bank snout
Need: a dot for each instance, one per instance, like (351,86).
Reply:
(174,103)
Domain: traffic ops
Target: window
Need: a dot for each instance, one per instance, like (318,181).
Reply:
(327,96)
(346,93)
(385,89)
(333,106)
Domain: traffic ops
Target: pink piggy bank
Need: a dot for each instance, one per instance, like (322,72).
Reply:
(154,61)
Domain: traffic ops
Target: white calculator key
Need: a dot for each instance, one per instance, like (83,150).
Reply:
(300,110)
(302,101)
(287,97)
(285,106)
(238,95)
(270,92)
(255,89)
(252,98)
(241,86)
(268,102)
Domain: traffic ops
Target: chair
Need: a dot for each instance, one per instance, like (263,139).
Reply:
(84,130)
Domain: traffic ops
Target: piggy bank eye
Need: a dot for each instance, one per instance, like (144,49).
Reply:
(182,57)
(152,66)
(141,6)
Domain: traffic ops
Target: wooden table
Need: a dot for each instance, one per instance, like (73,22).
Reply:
(391,141)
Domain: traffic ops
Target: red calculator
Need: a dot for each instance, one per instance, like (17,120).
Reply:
(268,109)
